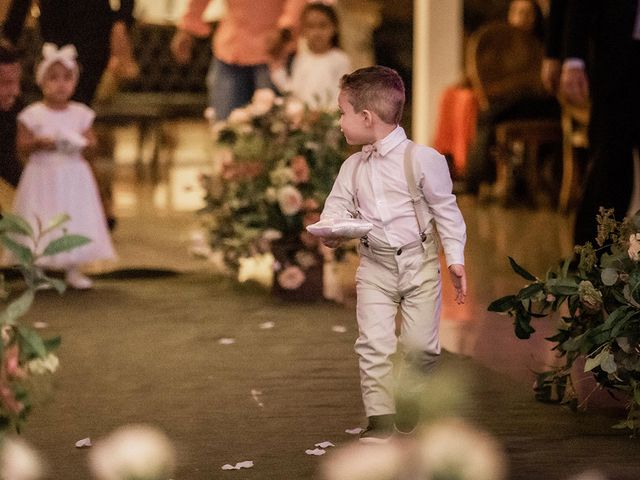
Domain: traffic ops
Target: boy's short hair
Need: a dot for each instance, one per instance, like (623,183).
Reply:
(379,89)
(8,53)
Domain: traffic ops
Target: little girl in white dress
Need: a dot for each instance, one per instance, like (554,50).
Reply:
(53,133)
(319,64)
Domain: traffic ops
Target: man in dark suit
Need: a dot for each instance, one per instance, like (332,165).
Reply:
(602,62)
(10,166)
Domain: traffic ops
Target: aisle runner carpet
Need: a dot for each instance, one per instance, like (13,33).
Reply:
(232,375)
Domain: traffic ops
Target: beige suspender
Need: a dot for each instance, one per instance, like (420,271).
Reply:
(417,198)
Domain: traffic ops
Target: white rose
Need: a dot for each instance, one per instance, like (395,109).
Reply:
(289,200)
(258,268)
(294,110)
(262,101)
(239,115)
(40,366)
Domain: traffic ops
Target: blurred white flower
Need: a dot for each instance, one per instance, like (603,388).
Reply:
(451,448)
(239,115)
(358,461)
(262,101)
(133,451)
(209,114)
(289,200)
(18,461)
(40,366)
(258,268)
(294,110)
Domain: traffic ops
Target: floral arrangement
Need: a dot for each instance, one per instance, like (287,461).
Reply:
(279,162)
(599,304)
(25,357)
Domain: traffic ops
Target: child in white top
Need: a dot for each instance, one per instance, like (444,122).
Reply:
(53,133)
(319,64)
(399,263)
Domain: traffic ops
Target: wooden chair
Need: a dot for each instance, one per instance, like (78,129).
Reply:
(575,122)
(503,65)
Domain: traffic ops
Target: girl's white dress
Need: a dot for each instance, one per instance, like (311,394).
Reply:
(315,78)
(61,181)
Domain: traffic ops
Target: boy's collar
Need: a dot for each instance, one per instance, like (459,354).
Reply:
(391,141)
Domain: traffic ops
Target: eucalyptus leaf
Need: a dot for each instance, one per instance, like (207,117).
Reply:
(530,290)
(31,344)
(10,223)
(521,271)
(609,276)
(503,304)
(17,308)
(24,254)
(593,362)
(64,243)
(52,343)
(609,364)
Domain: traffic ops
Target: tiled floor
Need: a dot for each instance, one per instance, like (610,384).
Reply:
(157,222)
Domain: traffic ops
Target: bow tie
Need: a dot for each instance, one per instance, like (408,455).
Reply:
(368,150)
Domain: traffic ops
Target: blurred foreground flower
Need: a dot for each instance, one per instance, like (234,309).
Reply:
(18,461)
(137,452)
(453,449)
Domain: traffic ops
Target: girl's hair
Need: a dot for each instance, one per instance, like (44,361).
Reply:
(330,13)
(378,89)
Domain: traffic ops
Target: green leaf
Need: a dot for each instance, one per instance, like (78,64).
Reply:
(521,271)
(52,343)
(503,304)
(64,243)
(59,285)
(24,254)
(17,308)
(593,362)
(31,343)
(56,222)
(530,290)
(564,286)
(523,328)
(15,224)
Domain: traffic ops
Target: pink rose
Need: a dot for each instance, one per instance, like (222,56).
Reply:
(300,169)
(291,278)
(289,200)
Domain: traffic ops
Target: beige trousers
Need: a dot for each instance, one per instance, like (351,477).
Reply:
(385,282)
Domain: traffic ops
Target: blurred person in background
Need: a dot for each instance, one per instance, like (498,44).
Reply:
(10,71)
(602,64)
(245,40)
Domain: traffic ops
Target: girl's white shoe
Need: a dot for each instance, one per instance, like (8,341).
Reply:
(78,280)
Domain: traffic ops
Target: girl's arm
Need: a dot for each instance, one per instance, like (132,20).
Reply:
(28,143)
(92,142)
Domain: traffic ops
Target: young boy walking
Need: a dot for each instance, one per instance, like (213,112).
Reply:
(403,190)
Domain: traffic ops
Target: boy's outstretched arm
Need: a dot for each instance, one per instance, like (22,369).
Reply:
(459,280)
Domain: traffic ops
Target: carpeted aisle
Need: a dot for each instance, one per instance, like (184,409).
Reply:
(194,355)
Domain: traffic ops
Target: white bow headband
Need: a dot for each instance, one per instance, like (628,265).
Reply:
(52,54)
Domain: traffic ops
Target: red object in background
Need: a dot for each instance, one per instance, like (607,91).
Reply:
(456,127)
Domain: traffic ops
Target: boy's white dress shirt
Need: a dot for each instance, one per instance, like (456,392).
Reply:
(384,199)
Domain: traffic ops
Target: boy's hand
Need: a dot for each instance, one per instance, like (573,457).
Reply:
(332,242)
(459,280)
